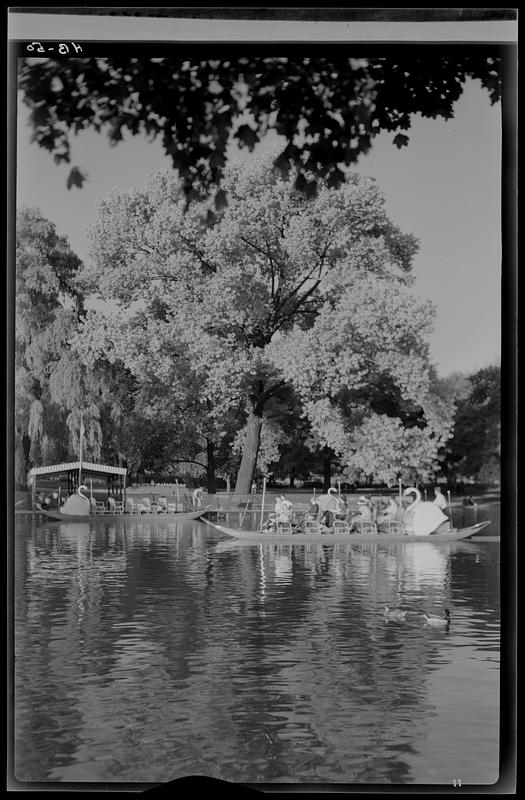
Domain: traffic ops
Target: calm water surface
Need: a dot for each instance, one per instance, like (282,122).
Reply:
(148,651)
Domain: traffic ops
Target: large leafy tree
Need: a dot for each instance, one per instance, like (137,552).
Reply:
(367,385)
(328,108)
(164,419)
(282,290)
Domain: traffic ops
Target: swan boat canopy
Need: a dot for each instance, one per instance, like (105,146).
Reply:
(75,474)
(78,507)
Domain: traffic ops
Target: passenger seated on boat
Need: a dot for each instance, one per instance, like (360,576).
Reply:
(282,513)
(389,514)
(310,523)
(328,506)
(282,509)
(341,509)
(285,511)
(364,514)
(313,509)
(339,522)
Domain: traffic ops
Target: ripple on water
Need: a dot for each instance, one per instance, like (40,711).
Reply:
(144,653)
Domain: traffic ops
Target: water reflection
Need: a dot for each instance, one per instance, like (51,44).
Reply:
(144,652)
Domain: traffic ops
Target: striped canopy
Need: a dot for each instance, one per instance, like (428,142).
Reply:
(75,465)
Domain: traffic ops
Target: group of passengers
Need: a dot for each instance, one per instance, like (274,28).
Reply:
(329,507)
(333,508)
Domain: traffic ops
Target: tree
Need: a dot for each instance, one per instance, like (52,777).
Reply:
(54,388)
(165,420)
(243,301)
(366,382)
(474,453)
(328,109)
(48,305)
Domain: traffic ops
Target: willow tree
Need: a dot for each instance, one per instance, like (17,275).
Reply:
(47,309)
(53,387)
(274,265)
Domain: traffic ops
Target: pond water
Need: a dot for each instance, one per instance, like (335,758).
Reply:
(150,650)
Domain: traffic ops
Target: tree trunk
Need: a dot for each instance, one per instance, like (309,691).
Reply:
(249,454)
(327,472)
(210,467)
(20,464)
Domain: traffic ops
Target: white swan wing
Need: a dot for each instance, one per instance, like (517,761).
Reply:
(427,517)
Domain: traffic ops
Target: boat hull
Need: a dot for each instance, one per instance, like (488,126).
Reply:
(56,516)
(349,538)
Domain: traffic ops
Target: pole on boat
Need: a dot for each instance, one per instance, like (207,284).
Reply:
(81,439)
(262,504)
(449,507)
(177,491)
(400,492)
(244,512)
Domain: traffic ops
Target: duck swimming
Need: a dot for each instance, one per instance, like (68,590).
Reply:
(438,622)
(396,614)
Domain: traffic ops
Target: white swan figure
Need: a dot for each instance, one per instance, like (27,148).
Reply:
(423,518)
(77,505)
(328,501)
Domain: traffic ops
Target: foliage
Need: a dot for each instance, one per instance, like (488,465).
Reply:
(47,307)
(272,440)
(367,386)
(328,108)
(54,388)
(474,452)
(165,420)
(281,294)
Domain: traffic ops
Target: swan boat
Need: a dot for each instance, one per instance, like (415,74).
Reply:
(55,515)
(257,537)
(77,508)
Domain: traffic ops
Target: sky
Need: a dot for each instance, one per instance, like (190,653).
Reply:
(445,188)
